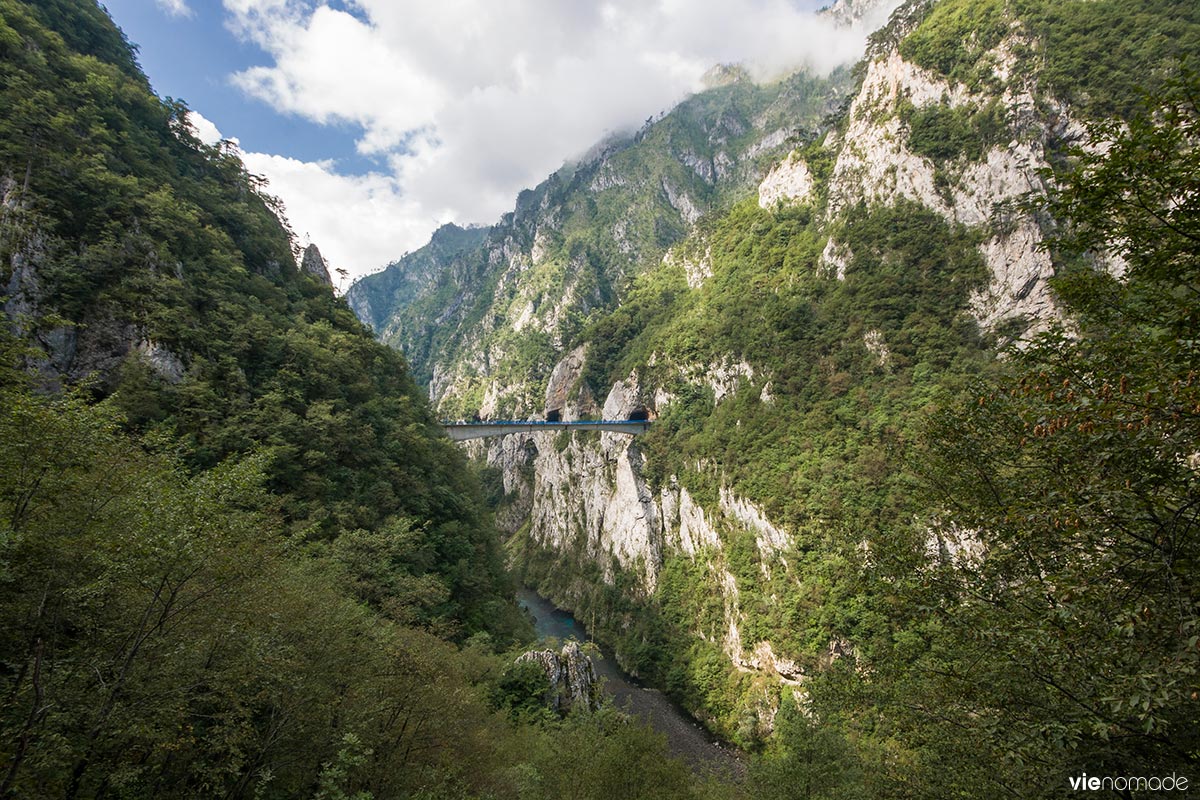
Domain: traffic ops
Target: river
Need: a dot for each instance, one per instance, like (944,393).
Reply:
(686,739)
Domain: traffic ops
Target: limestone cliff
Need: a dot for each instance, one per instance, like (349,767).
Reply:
(876,164)
(585,498)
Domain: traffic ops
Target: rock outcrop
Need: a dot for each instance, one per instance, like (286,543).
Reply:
(789,182)
(877,164)
(573,685)
(97,347)
(314,264)
(586,499)
(564,385)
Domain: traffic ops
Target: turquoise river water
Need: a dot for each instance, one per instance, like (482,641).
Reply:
(686,739)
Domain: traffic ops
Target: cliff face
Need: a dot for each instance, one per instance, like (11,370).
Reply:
(573,685)
(586,498)
(67,353)
(877,164)
(484,322)
(781,290)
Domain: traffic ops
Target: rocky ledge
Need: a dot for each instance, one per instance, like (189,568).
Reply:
(571,677)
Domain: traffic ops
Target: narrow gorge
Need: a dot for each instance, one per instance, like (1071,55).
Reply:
(786,277)
(582,305)
(899,315)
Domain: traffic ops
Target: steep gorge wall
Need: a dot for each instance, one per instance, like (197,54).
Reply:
(602,517)
(876,165)
(586,499)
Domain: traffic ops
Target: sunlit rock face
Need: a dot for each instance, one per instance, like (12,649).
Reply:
(877,165)
(314,264)
(571,677)
(789,182)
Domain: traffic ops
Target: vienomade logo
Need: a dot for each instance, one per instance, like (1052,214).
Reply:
(1094,783)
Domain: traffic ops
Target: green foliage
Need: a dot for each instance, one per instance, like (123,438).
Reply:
(136,231)
(155,635)
(954,36)
(331,783)
(1097,55)
(159,638)
(812,759)
(1101,56)
(609,756)
(909,280)
(820,161)
(941,133)
(522,691)
(611,336)
(1057,630)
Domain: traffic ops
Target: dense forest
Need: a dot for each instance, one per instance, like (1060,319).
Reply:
(1053,631)
(238,558)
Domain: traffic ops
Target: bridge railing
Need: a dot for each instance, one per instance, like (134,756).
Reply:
(546,422)
(460,431)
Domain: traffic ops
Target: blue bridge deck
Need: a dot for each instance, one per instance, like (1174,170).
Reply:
(461,431)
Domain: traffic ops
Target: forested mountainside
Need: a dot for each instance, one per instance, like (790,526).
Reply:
(479,304)
(854,537)
(238,558)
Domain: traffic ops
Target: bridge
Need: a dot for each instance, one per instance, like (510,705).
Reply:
(461,431)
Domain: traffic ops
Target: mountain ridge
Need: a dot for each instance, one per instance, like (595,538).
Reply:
(641,216)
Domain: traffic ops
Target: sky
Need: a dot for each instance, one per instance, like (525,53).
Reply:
(376,121)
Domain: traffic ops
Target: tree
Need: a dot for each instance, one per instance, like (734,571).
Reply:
(1065,632)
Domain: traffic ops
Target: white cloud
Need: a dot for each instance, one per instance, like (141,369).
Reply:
(203,127)
(469,101)
(176,8)
(360,222)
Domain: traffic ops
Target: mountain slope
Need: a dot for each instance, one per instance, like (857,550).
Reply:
(235,549)
(789,348)
(411,276)
(496,313)
(153,266)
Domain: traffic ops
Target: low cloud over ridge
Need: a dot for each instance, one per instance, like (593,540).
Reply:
(466,102)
